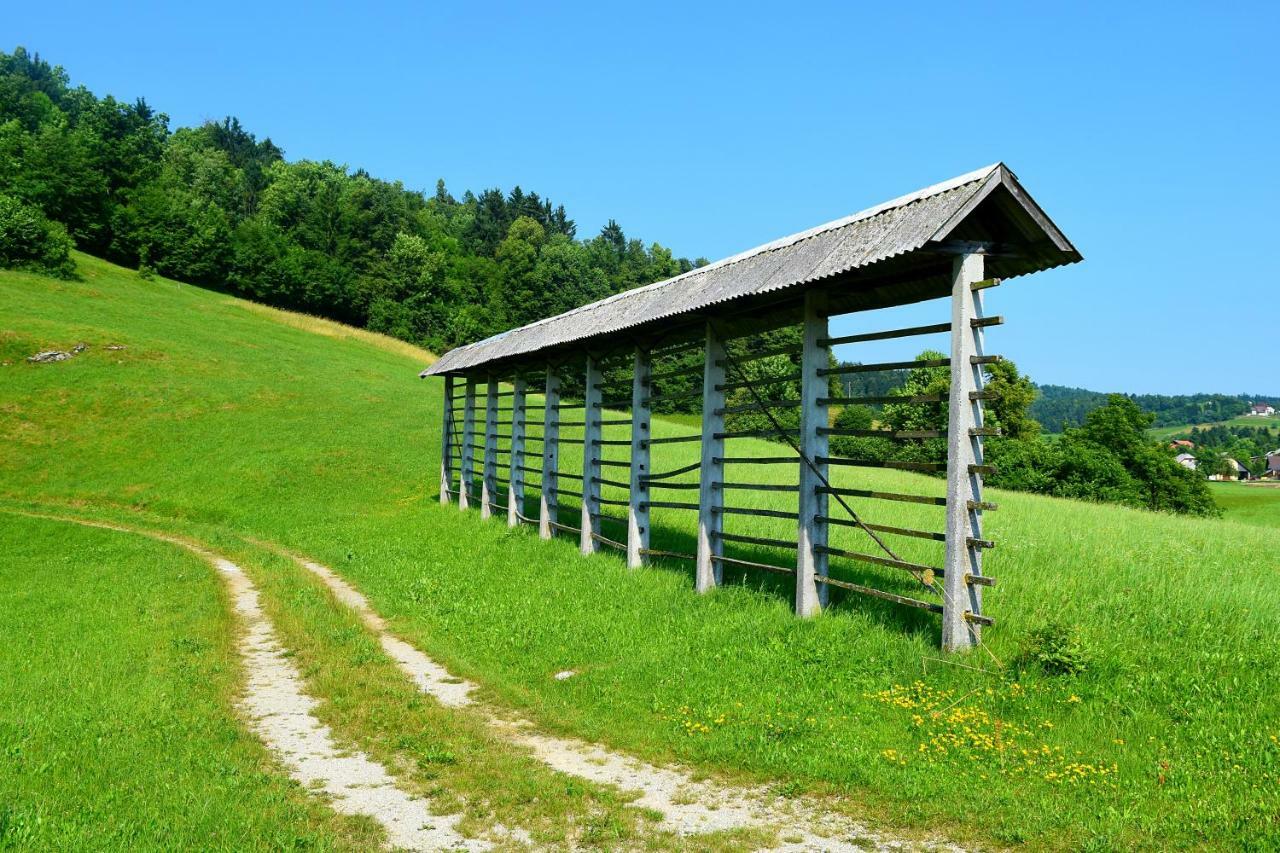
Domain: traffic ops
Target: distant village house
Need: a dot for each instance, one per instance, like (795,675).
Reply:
(1261,409)
(1186,460)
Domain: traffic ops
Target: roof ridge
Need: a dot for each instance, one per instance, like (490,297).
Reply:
(772,246)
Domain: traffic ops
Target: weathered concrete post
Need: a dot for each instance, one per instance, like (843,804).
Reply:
(964,448)
(549,506)
(592,414)
(466,475)
(489,474)
(446,441)
(516,478)
(638,499)
(710,494)
(811,559)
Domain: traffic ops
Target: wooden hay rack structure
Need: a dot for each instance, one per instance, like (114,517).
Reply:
(589,381)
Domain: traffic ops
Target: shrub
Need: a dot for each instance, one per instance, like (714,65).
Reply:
(1055,648)
(28,240)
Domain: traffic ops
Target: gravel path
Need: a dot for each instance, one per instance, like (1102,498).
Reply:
(688,807)
(279,712)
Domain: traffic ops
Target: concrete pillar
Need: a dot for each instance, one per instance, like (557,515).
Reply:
(516,477)
(811,560)
(591,416)
(710,496)
(446,442)
(489,473)
(550,502)
(467,473)
(638,502)
(964,451)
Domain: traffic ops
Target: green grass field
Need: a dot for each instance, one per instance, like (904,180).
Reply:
(228,420)
(1272,424)
(1249,503)
(119,670)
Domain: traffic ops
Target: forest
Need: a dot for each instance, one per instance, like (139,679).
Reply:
(1058,407)
(216,206)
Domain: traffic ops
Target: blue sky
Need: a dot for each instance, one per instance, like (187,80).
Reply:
(1149,132)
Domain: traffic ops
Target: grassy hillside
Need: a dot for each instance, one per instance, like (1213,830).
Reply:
(1272,424)
(1249,503)
(223,416)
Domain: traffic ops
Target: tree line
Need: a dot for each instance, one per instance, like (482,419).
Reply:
(216,206)
(1059,407)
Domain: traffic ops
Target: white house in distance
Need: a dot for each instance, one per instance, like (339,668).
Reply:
(1261,410)
(1186,460)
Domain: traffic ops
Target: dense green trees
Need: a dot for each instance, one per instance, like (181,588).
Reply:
(29,240)
(1059,407)
(216,206)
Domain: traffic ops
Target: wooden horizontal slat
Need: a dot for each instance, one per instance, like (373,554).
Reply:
(756,487)
(758,460)
(979,580)
(875,463)
(985,322)
(881,336)
(604,482)
(876,593)
(752,564)
(756,356)
(762,404)
(883,528)
(754,383)
(761,513)
(757,433)
(675,555)
(672,439)
(857,401)
(753,540)
(978,619)
(675,472)
(883,496)
(984,284)
(985,359)
(668,505)
(897,435)
(916,568)
(884,365)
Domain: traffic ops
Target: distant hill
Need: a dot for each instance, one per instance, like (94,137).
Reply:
(1058,406)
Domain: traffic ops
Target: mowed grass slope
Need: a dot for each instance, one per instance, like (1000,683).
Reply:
(116,727)
(220,415)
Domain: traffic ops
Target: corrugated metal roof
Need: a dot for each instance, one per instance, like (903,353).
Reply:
(887,230)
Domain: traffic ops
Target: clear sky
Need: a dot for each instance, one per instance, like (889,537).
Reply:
(1149,132)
